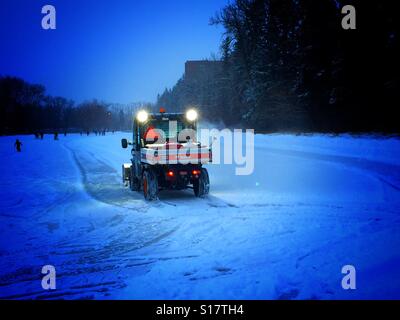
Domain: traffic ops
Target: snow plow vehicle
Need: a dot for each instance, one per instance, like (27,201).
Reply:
(166,154)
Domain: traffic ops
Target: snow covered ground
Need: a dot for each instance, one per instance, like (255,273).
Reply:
(313,205)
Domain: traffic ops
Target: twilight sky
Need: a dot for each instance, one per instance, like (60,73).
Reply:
(113,50)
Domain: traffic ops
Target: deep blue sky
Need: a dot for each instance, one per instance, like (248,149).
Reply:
(116,50)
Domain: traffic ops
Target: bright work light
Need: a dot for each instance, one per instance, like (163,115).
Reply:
(191,115)
(142,116)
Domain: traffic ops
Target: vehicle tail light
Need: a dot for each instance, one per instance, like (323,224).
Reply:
(170,173)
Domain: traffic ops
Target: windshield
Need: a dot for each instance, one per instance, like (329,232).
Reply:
(156,129)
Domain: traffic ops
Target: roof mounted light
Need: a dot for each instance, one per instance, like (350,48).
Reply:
(142,116)
(191,115)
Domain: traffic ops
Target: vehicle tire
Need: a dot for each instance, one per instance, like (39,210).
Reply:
(201,186)
(150,185)
(134,183)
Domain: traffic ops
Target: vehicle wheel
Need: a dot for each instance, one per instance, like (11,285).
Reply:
(134,183)
(150,185)
(201,186)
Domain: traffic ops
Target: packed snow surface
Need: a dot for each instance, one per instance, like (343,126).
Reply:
(313,205)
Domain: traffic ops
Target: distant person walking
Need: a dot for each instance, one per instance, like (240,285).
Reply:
(41,135)
(56,136)
(18,145)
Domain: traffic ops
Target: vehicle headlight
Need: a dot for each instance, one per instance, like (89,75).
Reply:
(142,116)
(191,115)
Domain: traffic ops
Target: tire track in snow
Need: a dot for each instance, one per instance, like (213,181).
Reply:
(102,184)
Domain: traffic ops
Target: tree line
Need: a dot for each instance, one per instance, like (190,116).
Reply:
(288,65)
(26,108)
